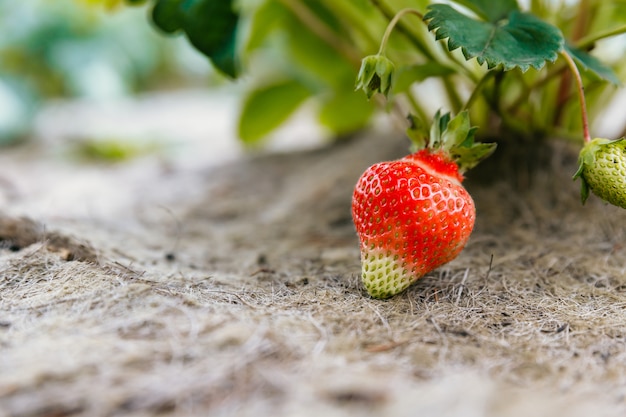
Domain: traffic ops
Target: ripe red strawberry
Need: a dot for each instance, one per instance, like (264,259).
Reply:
(413,215)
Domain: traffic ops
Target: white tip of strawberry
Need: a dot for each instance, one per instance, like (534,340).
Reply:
(383,276)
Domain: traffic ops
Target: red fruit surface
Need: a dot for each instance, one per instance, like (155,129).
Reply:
(412,216)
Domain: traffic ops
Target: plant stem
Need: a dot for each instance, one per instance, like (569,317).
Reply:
(416,106)
(478,89)
(393,23)
(554,72)
(588,41)
(319,28)
(582,20)
(417,42)
(451,91)
(389,14)
(581,95)
(579,27)
(349,14)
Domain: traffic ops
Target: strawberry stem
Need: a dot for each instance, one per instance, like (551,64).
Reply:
(389,12)
(393,23)
(523,96)
(581,95)
(478,89)
(416,106)
(322,30)
(590,40)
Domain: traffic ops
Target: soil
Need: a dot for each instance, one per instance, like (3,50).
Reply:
(156,288)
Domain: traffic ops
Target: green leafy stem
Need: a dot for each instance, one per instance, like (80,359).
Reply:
(392,24)
(496,33)
(505,38)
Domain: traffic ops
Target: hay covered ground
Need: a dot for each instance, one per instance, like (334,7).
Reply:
(232,288)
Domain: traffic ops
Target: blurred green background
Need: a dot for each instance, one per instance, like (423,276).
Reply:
(284,53)
(63,49)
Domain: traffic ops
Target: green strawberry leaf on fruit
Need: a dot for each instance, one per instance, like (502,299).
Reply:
(592,64)
(210,26)
(516,40)
(457,131)
(454,135)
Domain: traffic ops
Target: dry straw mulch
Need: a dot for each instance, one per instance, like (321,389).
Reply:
(243,298)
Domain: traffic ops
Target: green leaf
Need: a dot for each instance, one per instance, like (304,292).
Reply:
(210,26)
(520,41)
(468,157)
(168,16)
(490,10)
(268,107)
(314,58)
(438,126)
(584,191)
(456,131)
(345,112)
(265,19)
(591,64)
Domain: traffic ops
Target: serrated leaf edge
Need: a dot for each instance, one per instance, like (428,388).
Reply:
(442,34)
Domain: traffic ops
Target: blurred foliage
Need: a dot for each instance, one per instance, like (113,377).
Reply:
(315,46)
(210,26)
(69,48)
(293,53)
(112,150)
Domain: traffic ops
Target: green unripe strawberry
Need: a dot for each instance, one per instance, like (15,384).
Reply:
(602,170)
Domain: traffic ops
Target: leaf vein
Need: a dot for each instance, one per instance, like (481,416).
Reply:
(489,41)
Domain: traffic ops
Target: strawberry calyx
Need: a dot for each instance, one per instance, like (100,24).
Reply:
(587,158)
(449,140)
(589,167)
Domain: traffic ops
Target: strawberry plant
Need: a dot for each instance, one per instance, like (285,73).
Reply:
(520,73)
(503,63)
